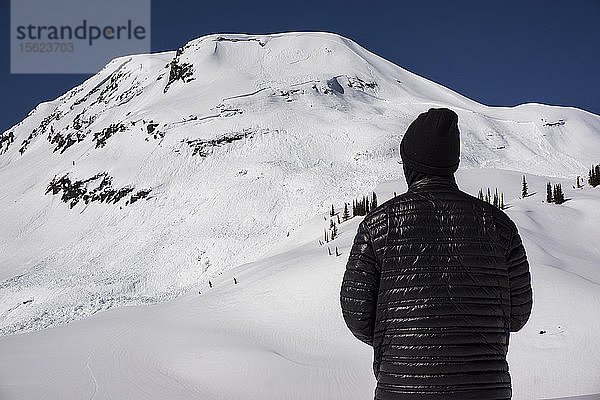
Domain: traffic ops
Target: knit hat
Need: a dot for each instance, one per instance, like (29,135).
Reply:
(431,143)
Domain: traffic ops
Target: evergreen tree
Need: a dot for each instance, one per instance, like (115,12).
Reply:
(336,252)
(578,184)
(496,199)
(234,281)
(367,205)
(394,194)
(524,189)
(328,250)
(480,194)
(325,236)
(549,198)
(338,218)
(487,196)
(346,215)
(374,201)
(594,176)
(332,212)
(334,231)
(558,195)
(502,201)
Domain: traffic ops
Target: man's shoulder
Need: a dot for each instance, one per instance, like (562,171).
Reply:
(377,215)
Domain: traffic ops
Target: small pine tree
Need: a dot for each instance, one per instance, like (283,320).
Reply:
(325,236)
(328,250)
(338,218)
(558,195)
(334,231)
(332,212)
(480,194)
(367,205)
(502,201)
(487,196)
(394,194)
(346,215)
(331,223)
(578,183)
(524,189)
(496,199)
(234,281)
(209,284)
(549,198)
(374,201)
(337,253)
(594,176)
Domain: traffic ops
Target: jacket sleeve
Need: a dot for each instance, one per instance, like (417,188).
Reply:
(360,286)
(521,297)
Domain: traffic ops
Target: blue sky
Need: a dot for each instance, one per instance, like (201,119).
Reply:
(495,52)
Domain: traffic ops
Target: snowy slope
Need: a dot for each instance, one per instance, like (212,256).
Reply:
(279,334)
(199,160)
(196,164)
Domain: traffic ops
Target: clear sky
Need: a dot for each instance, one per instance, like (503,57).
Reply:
(495,52)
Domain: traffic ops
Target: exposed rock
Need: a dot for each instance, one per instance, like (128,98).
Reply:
(151,129)
(560,122)
(356,83)
(6,139)
(101,137)
(179,71)
(203,147)
(226,39)
(98,188)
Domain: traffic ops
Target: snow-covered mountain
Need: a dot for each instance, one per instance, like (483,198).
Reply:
(166,170)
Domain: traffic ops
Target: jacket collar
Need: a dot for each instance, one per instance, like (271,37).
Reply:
(432,182)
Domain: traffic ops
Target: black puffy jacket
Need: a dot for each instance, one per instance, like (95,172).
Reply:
(435,281)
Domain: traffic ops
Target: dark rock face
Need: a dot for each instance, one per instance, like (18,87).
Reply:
(203,147)
(560,122)
(65,140)
(152,131)
(103,191)
(356,83)
(225,39)
(6,139)
(101,137)
(179,71)
(141,194)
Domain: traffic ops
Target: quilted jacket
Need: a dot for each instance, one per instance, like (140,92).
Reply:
(435,282)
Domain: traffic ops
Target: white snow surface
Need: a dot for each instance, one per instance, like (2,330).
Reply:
(313,119)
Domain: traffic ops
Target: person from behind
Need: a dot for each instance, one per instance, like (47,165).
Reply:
(436,279)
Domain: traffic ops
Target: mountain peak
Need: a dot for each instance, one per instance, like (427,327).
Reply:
(164,169)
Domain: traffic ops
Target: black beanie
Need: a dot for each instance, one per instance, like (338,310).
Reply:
(431,143)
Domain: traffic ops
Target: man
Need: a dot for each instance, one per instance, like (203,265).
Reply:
(437,279)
